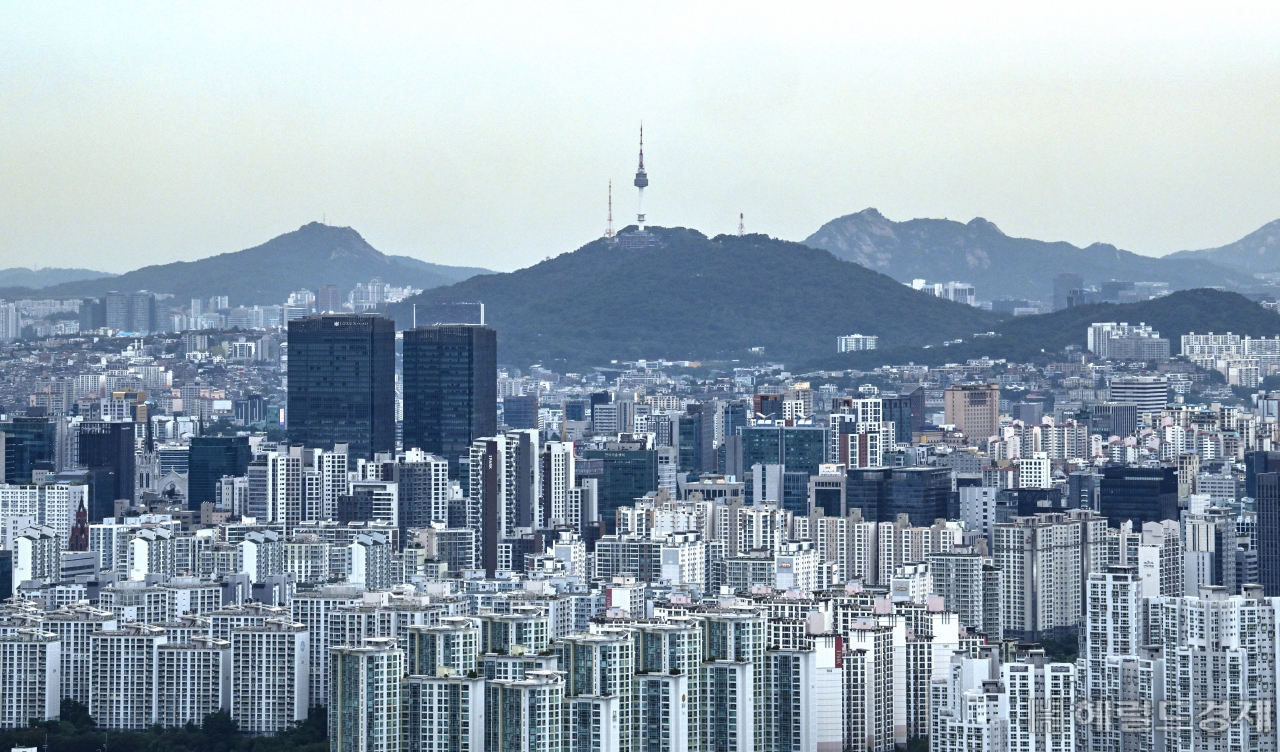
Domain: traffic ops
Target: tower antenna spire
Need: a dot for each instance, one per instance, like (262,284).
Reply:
(608,230)
(642,180)
(741,227)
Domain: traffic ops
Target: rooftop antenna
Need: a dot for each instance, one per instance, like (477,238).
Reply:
(741,228)
(608,230)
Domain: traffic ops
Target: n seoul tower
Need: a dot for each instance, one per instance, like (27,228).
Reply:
(642,180)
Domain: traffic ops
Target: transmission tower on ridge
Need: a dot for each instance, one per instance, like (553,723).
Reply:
(608,229)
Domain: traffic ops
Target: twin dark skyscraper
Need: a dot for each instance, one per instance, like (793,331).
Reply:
(342,381)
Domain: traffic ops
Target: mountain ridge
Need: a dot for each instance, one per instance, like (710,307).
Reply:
(311,256)
(1031,338)
(978,252)
(698,298)
(36,279)
(1257,252)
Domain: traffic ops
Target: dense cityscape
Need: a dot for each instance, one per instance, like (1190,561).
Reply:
(904,485)
(275,514)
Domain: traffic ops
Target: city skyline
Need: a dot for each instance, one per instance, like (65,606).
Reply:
(672,485)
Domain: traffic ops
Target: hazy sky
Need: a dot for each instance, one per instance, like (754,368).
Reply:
(485,134)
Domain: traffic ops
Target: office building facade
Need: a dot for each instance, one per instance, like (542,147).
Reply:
(211,458)
(450,389)
(342,380)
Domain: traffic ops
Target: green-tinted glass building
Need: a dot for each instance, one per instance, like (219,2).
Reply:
(628,475)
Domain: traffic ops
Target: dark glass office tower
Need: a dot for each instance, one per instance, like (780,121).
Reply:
(107,450)
(921,493)
(520,412)
(29,444)
(342,383)
(1141,494)
(1256,463)
(688,439)
(450,389)
(799,450)
(628,474)
(1267,490)
(210,459)
(898,410)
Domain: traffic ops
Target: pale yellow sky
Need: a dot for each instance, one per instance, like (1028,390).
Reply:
(485,134)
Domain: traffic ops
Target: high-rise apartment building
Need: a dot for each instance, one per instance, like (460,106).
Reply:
(504,490)
(271,666)
(453,643)
(312,609)
(131,312)
(601,666)
(364,709)
(450,389)
(558,479)
(527,712)
(124,683)
(194,680)
(74,625)
(1044,560)
(423,483)
(30,677)
(449,713)
(342,374)
(803,698)
(970,584)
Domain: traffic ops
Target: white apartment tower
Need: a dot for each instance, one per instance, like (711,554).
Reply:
(1041,708)
(312,608)
(804,697)
(31,678)
(271,666)
(364,710)
(74,625)
(451,644)
(194,680)
(444,712)
(37,555)
(1044,560)
(124,684)
(529,709)
(558,477)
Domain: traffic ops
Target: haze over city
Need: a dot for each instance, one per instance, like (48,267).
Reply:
(486,135)
(640,377)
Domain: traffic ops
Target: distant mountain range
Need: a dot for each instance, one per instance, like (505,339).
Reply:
(311,256)
(1257,252)
(941,250)
(694,297)
(40,278)
(1028,338)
